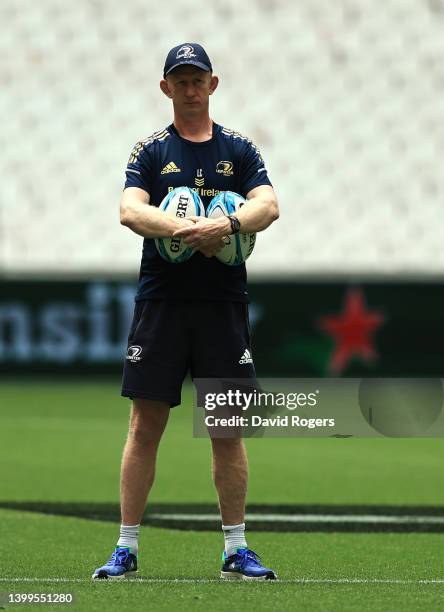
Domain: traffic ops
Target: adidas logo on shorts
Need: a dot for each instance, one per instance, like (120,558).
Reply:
(246,357)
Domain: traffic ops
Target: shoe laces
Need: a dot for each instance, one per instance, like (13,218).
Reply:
(119,557)
(248,556)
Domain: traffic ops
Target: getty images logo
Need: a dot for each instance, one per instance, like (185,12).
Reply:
(133,353)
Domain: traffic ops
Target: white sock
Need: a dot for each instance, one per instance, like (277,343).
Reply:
(234,538)
(129,537)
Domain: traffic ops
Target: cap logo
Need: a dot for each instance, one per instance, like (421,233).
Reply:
(186,51)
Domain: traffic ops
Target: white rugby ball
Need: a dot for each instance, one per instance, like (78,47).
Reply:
(180,202)
(239,246)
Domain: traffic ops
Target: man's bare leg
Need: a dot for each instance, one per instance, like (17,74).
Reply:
(147,423)
(230,474)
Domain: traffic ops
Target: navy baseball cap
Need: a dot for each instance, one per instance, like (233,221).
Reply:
(188,53)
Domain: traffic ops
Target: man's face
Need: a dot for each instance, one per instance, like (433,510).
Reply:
(189,88)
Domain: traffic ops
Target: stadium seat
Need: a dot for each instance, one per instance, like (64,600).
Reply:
(345,103)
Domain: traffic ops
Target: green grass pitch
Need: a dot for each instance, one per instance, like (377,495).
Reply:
(61,442)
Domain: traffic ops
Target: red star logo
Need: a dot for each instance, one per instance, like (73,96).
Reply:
(351,331)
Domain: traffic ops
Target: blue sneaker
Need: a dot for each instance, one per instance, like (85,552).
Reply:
(245,565)
(121,565)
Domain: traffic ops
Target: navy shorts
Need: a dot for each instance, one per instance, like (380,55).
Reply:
(169,338)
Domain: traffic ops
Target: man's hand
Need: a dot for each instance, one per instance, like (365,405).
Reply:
(147,221)
(182,222)
(205,235)
(212,247)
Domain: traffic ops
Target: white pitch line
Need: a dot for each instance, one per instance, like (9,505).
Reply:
(310,518)
(370,519)
(216,580)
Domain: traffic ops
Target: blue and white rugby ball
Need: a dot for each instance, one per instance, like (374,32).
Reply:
(180,202)
(239,246)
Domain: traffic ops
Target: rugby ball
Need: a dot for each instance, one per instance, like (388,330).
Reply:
(180,202)
(238,247)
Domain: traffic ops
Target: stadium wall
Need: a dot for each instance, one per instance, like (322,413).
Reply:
(299,328)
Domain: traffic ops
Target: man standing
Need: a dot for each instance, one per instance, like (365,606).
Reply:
(199,307)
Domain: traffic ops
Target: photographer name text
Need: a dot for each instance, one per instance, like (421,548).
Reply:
(255,420)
